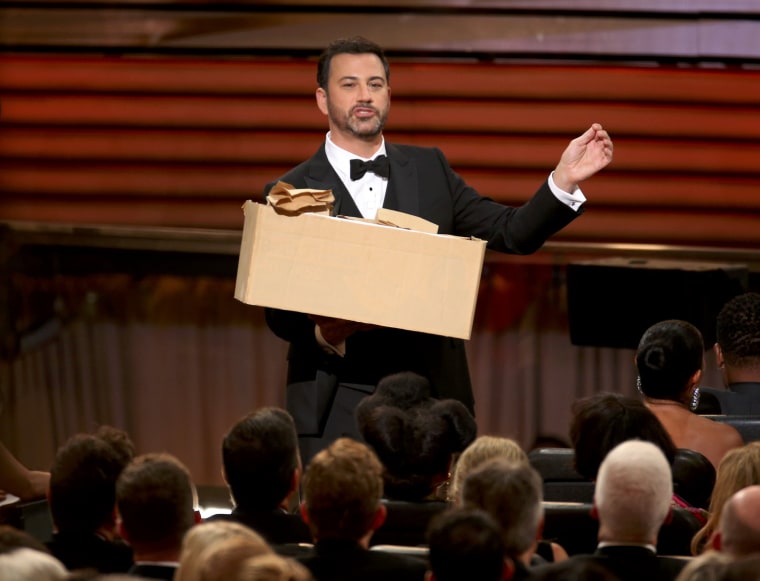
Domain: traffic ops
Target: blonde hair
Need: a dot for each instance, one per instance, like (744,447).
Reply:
(203,539)
(24,563)
(273,567)
(483,448)
(738,469)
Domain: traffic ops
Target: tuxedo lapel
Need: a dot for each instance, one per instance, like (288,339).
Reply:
(322,176)
(402,193)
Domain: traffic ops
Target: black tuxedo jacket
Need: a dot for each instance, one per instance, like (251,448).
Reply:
(626,562)
(338,560)
(421,183)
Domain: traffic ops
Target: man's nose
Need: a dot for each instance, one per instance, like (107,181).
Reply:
(364,93)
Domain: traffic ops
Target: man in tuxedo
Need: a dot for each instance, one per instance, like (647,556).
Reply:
(262,469)
(156,499)
(632,500)
(333,363)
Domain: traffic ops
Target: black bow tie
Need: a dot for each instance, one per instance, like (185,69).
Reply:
(379,166)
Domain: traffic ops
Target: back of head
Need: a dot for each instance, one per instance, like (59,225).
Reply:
(512,493)
(273,567)
(260,455)
(342,488)
(739,525)
(604,420)
(483,448)
(633,493)
(83,481)
(669,353)
(414,435)
(224,560)
(156,498)
(738,331)
(466,544)
(24,564)
(206,535)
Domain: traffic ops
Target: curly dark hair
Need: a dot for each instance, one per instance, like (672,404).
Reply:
(414,435)
(738,330)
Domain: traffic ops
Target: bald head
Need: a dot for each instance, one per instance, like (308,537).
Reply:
(739,527)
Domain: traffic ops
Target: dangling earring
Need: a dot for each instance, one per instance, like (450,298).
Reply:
(694,402)
(638,384)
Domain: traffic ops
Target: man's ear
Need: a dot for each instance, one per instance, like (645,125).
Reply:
(321,96)
(509,570)
(717,541)
(380,516)
(304,512)
(719,356)
(120,530)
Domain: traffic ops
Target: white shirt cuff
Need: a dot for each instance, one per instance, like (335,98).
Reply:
(574,200)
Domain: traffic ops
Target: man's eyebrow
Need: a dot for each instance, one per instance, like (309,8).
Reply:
(356,78)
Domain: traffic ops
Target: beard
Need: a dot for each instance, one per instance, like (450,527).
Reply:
(346,122)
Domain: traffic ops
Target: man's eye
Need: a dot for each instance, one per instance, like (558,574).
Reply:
(377,85)
(348,85)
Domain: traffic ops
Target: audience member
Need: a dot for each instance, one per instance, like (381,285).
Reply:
(482,449)
(82,501)
(262,468)
(273,567)
(738,531)
(467,544)
(17,479)
(602,421)
(632,499)
(669,360)
(737,352)
(415,435)
(155,499)
(25,564)
(203,540)
(739,468)
(512,493)
(343,488)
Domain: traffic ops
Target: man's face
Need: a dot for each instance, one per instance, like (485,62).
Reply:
(357,99)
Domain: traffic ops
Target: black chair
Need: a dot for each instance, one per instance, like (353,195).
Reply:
(575,529)
(562,482)
(407,522)
(748,426)
(32,516)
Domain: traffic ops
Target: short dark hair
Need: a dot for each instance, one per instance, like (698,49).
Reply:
(155,497)
(669,353)
(414,435)
(83,481)
(738,330)
(602,421)
(465,544)
(260,454)
(353,45)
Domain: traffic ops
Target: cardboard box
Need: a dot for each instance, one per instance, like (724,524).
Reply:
(359,271)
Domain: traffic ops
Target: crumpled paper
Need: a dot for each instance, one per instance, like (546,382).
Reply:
(285,199)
